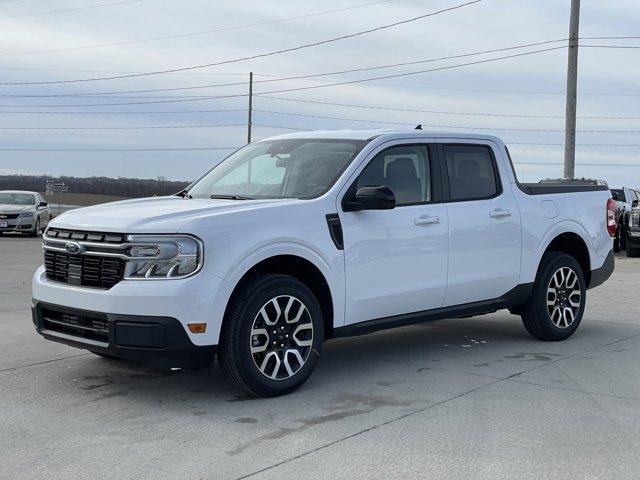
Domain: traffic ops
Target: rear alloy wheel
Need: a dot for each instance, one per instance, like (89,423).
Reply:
(564,297)
(557,302)
(272,335)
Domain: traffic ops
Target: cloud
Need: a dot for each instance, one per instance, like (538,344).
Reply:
(490,24)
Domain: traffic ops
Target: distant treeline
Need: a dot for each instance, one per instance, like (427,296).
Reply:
(122,187)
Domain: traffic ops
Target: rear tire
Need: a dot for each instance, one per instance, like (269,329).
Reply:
(555,308)
(272,335)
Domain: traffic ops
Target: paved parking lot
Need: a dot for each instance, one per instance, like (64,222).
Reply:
(472,398)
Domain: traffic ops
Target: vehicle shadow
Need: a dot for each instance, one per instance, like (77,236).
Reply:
(482,346)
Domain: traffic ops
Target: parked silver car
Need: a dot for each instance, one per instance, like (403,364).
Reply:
(23,212)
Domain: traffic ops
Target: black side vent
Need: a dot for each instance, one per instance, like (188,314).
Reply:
(335,230)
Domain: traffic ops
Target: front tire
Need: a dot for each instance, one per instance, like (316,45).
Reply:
(36,229)
(556,306)
(272,335)
(633,251)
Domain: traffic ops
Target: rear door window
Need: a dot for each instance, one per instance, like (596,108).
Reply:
(472,172)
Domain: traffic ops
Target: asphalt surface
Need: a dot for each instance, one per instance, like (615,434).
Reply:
(472,398)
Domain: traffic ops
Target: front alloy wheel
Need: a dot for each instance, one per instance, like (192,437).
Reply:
(272,335)
(281,337)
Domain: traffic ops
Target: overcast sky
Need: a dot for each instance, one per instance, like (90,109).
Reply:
(529,85)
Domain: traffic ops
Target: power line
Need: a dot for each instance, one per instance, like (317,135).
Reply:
(202,32)
(296,89)
(47,12)
(296,77)
(181,149)
(155,127)
(134,127)
(623,47)
(215,97)
(582,164)
(522,92)
(175,149)
(439,112)
(261,55)
(149,112)
(128,71)
(535,130)
(577,144)
(621,37)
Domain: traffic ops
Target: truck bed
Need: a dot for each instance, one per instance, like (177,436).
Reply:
(551,188)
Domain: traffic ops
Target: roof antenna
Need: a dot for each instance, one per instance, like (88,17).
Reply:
(418,127)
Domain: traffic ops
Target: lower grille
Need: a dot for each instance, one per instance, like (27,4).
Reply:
(83,270)
(76,325)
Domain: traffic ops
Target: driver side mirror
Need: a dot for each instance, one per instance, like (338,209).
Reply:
(615,196)
(634,204)
(42,204)
(372,198)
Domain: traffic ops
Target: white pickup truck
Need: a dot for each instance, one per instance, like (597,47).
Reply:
(301,238)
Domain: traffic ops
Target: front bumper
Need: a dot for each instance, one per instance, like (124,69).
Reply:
(160,341)
(17,224)
(188,300)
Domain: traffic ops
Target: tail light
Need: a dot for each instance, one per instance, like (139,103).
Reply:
(612,224)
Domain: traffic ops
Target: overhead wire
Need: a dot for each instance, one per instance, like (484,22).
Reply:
(296,77)
(201,32)
(346,82)
(261,55)
(86,7)
(439,112)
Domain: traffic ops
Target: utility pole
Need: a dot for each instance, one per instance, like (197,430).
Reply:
(249,120)
(572,93)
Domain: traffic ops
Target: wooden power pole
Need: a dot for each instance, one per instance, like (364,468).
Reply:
(249,119)
(572,93)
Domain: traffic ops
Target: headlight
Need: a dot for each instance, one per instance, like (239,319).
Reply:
(26,214)
(162,256)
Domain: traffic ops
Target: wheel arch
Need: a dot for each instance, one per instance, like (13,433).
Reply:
(572,244)
(300,268)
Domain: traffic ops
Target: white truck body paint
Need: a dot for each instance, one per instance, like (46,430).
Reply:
(389,266)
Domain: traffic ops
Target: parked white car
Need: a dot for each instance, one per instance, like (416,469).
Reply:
(23,212)
(301,238)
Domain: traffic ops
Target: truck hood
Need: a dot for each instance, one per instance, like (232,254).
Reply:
(153,215)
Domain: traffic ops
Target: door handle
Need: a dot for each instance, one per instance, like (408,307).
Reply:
(423,221)
(500,212)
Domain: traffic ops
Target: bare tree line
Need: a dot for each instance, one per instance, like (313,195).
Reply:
(122,187)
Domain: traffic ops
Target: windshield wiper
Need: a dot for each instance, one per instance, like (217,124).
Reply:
(184,194)
(231,197)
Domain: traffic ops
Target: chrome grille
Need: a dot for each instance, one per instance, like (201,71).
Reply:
(100,268)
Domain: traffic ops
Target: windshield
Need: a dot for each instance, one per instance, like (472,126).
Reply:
(291,168)
(619,193)
(16,199)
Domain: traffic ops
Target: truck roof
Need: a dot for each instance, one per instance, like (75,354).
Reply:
(350,134)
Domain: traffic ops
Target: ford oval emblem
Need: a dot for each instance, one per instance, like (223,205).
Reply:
(72,247)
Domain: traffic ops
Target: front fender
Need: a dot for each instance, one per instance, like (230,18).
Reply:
(330,267)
